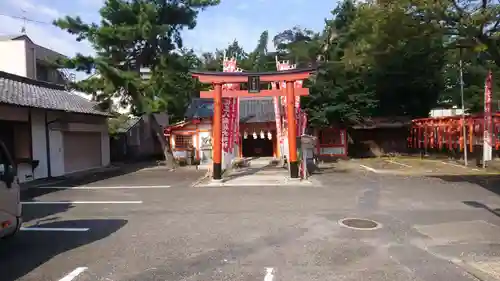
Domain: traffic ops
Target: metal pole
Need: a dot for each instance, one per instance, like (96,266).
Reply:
(463,109)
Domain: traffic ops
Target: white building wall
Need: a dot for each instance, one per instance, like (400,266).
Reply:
(13,57)
(56,153)
(39,144)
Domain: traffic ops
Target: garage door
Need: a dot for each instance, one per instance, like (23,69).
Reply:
(82,151)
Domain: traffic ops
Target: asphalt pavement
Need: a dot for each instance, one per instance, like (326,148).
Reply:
(151,224)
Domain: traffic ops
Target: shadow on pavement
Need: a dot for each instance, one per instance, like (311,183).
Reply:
(246,172)
(334,166)
(327,170)
(28,250)
(33,212)
(489,182)
(31,191)
(475,204)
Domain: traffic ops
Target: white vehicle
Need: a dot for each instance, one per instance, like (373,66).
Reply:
(10,195)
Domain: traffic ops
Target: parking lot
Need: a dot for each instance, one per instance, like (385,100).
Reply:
(419,166)
(73,228)
(151,224)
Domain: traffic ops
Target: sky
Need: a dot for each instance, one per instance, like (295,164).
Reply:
(216,28)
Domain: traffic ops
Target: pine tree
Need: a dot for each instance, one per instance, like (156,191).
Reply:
(133,35)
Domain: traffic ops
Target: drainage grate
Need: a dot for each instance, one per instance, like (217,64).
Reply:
(360,224)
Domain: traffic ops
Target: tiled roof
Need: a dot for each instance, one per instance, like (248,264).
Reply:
(251,110)
(22,91)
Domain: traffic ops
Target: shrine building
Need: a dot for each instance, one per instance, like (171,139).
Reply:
(257,131)
(257,128)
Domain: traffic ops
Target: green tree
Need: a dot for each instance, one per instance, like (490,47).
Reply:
(405,53)
(212,61)
(260,59)
(341,93)
(170,87)
(299,45)
(475,69)
(477,22)
(117,123)
(131,36)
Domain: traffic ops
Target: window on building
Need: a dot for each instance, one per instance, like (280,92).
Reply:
(182,141)
(42,72)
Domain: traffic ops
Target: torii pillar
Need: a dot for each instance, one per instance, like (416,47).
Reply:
(217,79)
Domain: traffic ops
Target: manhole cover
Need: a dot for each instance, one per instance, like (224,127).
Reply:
(361,224)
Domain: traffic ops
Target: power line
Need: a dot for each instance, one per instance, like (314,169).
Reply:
(25,19)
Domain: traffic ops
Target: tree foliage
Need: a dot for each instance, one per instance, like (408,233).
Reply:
(131,36)
(374,58)
(342,93)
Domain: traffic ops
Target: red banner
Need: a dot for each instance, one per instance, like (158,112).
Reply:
(300,124)
(300,117)
(487,136)
(226,120)
(236,126)
(298,112)
(230,120)
(277,115)
(233,123)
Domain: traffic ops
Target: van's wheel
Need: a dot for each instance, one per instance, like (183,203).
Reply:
(18,228)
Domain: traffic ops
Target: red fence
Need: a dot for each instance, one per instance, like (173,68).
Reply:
(446,133)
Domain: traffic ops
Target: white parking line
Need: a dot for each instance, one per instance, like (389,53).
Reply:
(369,169)
(460,166)
(73,274)
(106,187)
(269,274)
(398,163)
(78,202)
(55,229)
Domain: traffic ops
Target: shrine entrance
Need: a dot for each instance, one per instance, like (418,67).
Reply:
(254,80)
(257,146)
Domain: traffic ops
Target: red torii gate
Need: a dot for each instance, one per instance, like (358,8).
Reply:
(253,79)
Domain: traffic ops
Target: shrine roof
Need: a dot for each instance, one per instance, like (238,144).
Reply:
(254,110)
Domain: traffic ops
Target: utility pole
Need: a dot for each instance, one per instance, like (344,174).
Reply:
(463,108)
